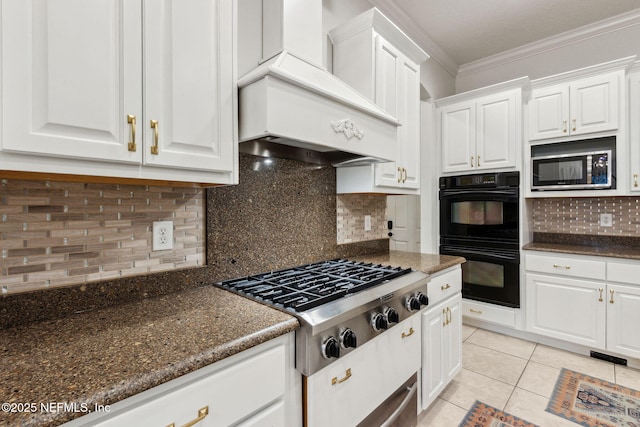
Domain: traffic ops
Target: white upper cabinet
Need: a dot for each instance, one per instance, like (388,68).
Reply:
(481,129)
(83,81)
(376,58)
(579,107)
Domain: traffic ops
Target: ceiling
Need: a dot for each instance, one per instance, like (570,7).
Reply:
(469,30)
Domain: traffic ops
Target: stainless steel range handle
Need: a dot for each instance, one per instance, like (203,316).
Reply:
(393,417)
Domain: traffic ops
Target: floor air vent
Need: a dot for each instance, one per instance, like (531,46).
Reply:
(609,358)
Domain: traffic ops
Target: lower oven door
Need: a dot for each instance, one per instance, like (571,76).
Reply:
(490,275)
(350,389)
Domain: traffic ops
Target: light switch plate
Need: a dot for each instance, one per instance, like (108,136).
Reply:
(162,235)
(367,223)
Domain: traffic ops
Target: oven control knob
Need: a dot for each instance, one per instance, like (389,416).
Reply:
(424,300)
(392,315)
(379,322)
(330,348)
(412,304)
(348,339)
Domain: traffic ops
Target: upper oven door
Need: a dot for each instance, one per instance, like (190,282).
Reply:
(479,214)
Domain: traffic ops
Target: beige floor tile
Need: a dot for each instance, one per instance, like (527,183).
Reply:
(627,377)
(441,414)
(492,363)
(531,407)
(467,331)
(539,379)
(503,343)
(557,358)
(469,386)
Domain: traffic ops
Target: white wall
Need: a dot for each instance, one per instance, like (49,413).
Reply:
(613,45)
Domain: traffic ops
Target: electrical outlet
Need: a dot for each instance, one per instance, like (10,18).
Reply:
(162,235)
(606,220)
(367,223)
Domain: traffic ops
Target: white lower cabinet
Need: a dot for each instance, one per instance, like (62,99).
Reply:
(442,346)
(585,300)
(349,389)
(257,387)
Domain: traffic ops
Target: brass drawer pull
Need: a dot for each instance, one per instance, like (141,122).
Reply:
(475,311)
(202,413)
(411,331)
(600,290)
(335,380)
(566,267)
(131,119)
(611,293)
(445,287)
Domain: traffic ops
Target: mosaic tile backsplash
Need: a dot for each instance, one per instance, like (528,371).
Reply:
(582,215)
(351,209)
(56,234)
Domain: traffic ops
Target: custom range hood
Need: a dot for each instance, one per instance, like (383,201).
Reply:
(292,107)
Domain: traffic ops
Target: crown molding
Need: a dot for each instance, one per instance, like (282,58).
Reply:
(404,21)
(567,38)
(520,83)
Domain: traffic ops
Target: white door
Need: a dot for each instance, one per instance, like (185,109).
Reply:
(71,76)
(404,213)
(409,139)
(496,132)
(458,137)
(188,84)
(549,112)
(594,104)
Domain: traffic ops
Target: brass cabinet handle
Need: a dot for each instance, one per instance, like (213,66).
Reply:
(611,293)
(399,174)
(448,315)
(475,311)
(478,162)
(600,290)
(574,125)
(444,314)
(154,126)
(564,126)
(471,161)
(411,331)
(347,375)
(566,267)
(635,180)
(202,413)
(445,287)
(131,119)
(404,175)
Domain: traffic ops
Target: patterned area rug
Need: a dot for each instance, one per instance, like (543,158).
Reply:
(592,402)
(483,415)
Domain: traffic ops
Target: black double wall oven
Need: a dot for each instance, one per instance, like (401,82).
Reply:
(479,221)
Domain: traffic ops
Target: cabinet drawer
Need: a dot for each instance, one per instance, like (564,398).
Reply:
(564,266)
(444,285)
(346,391)
(489,313)
(623,272)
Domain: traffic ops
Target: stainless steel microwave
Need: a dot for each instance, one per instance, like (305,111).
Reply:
(572,171)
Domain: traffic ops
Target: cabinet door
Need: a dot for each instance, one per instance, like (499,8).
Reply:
(634,130)
(567,309)
(189,87)
(623,311)
(496,131)
(594,104)
(409,116)
(549,112)
(458,137)
(442,347)
(71,74)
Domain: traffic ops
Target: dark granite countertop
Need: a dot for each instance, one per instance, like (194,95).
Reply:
(605,246)
(428,263)
(103,356)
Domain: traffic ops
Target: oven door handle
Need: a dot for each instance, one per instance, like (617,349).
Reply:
(479,193)
(462,252)
(393,417)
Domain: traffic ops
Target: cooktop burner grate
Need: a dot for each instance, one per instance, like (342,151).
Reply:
(309,286)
